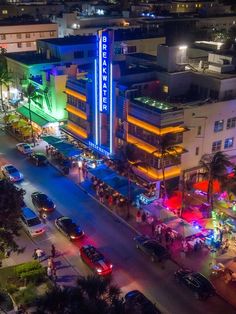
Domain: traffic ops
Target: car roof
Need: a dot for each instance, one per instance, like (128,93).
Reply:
(28,213)
(64,218)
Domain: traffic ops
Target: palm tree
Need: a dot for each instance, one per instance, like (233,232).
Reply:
(5,80)
(215,168)
(30,93)
(167,149)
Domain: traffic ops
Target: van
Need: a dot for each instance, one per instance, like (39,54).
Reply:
(31,222)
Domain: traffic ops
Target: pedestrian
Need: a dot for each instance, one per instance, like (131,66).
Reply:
(110,201)
(143,217)
(54,273)
(39,254)
(43,216)
(138,217)
(167,237)
(47,150)
(34,254)
(51,263)
(53,251)
(101,196)
(49,272)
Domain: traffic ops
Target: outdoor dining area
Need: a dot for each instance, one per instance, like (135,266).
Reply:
(19,127)
(116,190)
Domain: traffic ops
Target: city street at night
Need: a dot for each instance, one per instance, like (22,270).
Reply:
(132,269)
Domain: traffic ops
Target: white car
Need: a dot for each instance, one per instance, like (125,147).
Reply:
(24,148)
(31,222)
(10,172)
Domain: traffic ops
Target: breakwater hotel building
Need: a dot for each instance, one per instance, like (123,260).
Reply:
(116,101)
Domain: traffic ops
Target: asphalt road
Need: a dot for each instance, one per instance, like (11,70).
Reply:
(132,270)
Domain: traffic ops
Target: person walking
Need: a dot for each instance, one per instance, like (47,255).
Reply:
(138,217)
(54,273)
(51,263)
(49,272)
(53,251)
(39,254)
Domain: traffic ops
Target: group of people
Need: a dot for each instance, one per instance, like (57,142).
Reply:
(107,195)
(39,255)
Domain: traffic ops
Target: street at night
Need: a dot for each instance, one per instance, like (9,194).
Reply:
(132,269)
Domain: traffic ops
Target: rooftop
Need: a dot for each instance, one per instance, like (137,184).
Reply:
(21,21)
(71,40)
(153,103)
(30,58)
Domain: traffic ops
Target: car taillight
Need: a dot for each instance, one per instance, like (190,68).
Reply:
(111,265)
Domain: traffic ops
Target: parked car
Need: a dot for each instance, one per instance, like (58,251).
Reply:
(199,284)
(38,159)
(42,202)
(136,301)
(69,228)
(95,260)
(24,148)
(31,222)
(10,172)
(152,248)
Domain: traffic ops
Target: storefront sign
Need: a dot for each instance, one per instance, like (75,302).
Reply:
(104,71)
(146,200)
(99,149)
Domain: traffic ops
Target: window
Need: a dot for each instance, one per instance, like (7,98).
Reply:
(28,44)
(216,146)
(199,130)
(41,34)
(197,151)
(231,123)
(2,36)
(4,12)
(27,35)
(165,89)
(78,54)
(52,34)
(229,142)
(219,125)
(19,45)
(18,36)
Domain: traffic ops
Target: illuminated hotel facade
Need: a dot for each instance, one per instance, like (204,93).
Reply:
(113,104)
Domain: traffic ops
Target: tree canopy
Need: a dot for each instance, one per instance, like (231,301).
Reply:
(11,199)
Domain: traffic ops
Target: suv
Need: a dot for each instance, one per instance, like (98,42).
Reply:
(31,222)
(199,284)
(135,300)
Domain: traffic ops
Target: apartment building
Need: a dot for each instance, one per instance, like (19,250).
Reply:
(19,37)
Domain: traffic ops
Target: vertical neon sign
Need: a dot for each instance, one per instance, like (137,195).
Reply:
(104,72)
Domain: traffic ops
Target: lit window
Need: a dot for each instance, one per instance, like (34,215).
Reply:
(52,34)
(231,123)
(4,11)
(165,89)
(19,45)
(41,34)
(22,9)
(216,146)
(229,142)
(27,35)
(219,125)
(186,5)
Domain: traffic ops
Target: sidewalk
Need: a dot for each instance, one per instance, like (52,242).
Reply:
(198,261)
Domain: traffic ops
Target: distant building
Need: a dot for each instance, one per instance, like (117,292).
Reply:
(19,36)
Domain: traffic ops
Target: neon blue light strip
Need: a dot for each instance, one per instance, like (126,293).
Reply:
(111,112)
(96,103)
(100,73)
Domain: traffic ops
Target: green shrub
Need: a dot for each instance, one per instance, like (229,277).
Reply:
(26,267)
(26,297)
(34,275)
(11,288)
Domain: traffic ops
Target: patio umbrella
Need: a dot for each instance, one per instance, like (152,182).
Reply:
(11,116)
(52,139)
(26,131)
(21,123)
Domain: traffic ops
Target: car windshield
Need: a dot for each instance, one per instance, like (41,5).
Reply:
(33,222)
(97,257)
(44,198)
(41,157)
(26,146)
(11,170)
(155,247)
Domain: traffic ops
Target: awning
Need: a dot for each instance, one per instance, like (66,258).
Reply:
(102,172)
(51,139)
(71,152)
(39,117)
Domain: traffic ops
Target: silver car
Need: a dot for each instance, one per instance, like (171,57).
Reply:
(10,172)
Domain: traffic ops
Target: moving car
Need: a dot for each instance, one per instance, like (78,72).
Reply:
(136,301)
(38,159)
(24,148)
(199,284)
(31,222)
(10,172)
(42,202)
(69,228)
(152,248)
(95,260)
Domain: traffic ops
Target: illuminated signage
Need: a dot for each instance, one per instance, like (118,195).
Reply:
(98,148)
(104,71)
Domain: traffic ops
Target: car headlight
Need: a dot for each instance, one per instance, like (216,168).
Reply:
(12,178)
(72,237)
(111,265)
(99,270)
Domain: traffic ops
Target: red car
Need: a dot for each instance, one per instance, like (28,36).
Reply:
(95,260)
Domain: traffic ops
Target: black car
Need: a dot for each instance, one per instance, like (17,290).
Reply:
(69,228)
(42,202)
(151,247)
(199,284)
(136,302)
(38,159)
